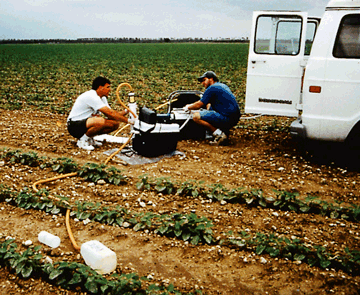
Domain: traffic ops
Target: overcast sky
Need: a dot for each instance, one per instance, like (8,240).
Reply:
(71,19)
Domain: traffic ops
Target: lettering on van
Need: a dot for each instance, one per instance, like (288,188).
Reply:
(269,100)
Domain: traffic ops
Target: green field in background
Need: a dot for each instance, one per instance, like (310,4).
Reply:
(51,76)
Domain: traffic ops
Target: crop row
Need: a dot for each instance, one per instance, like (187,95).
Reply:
(70,275)
(189,227)
(286,201)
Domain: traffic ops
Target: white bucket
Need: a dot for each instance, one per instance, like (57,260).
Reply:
(98,257)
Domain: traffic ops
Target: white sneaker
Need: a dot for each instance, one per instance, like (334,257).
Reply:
(84,144)
(220,139)
(95,142)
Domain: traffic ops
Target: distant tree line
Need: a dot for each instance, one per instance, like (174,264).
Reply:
(125,40)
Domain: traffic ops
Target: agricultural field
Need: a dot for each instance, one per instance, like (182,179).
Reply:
(264,215)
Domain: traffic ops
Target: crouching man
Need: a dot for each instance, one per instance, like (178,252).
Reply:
(85,120)
(224,111)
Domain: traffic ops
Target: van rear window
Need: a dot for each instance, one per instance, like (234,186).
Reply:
(278,34)
(347,44)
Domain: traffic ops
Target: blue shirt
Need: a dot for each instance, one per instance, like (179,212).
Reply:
(222,100)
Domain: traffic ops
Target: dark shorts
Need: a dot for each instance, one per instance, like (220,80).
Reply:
(219,121)
(77,128)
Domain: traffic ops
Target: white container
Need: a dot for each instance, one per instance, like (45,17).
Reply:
(98,257)
(132,105)
(49,239)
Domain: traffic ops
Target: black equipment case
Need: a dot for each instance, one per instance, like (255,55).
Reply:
(152,139)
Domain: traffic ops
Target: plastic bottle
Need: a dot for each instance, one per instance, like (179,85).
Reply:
(132,106)
(49,239)
(98,256)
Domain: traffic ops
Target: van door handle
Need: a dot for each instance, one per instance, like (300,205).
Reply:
(258,60)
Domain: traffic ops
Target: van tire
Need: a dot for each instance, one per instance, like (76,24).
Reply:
(353,139)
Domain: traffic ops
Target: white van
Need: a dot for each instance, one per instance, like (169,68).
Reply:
(308,68)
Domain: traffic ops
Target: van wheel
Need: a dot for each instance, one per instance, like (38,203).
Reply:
(353,139)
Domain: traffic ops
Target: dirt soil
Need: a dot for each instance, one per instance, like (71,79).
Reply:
(255,159)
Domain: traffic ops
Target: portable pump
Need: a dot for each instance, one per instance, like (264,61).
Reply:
(158,134)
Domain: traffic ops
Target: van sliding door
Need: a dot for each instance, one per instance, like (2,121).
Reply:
(276,62)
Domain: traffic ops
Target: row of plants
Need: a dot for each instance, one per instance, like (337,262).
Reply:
(194,229)
(90,171)
(72,275)
(296,250)
(188,227)
(284,200)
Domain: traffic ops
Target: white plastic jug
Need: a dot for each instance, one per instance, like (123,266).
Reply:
(98,257)
(49,239)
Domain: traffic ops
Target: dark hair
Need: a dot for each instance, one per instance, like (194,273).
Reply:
(99,81)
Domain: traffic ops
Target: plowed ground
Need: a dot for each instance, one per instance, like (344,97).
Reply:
(257,158)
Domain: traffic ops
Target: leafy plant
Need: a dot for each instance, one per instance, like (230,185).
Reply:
(94,172)
(28,158)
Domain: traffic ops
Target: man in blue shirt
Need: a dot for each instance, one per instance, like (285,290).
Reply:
(224,112)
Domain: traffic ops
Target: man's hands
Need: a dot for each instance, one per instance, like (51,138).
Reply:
(186,108)
(193,106)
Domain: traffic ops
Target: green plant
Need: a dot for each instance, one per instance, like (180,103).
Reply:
(191,188)
(187,227)
(161,185)
(26,158)
(94,172)
(62,165)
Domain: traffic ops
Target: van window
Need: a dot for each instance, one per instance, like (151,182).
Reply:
(310,35)
(278,35)
(347,44)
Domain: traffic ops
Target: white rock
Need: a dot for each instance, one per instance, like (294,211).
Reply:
(27,243)
(263,260)
(126,224)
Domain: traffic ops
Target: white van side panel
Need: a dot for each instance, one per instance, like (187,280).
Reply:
(331,114)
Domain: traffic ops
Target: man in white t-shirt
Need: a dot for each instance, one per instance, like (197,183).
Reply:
(84,120)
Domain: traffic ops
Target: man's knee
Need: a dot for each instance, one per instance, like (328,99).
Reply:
(196,117)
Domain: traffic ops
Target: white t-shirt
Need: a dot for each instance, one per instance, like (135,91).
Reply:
(87,105)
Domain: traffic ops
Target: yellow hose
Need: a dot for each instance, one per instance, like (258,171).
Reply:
(120,101)
(68,228)
(164,104)
(116,152)
(121,129)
